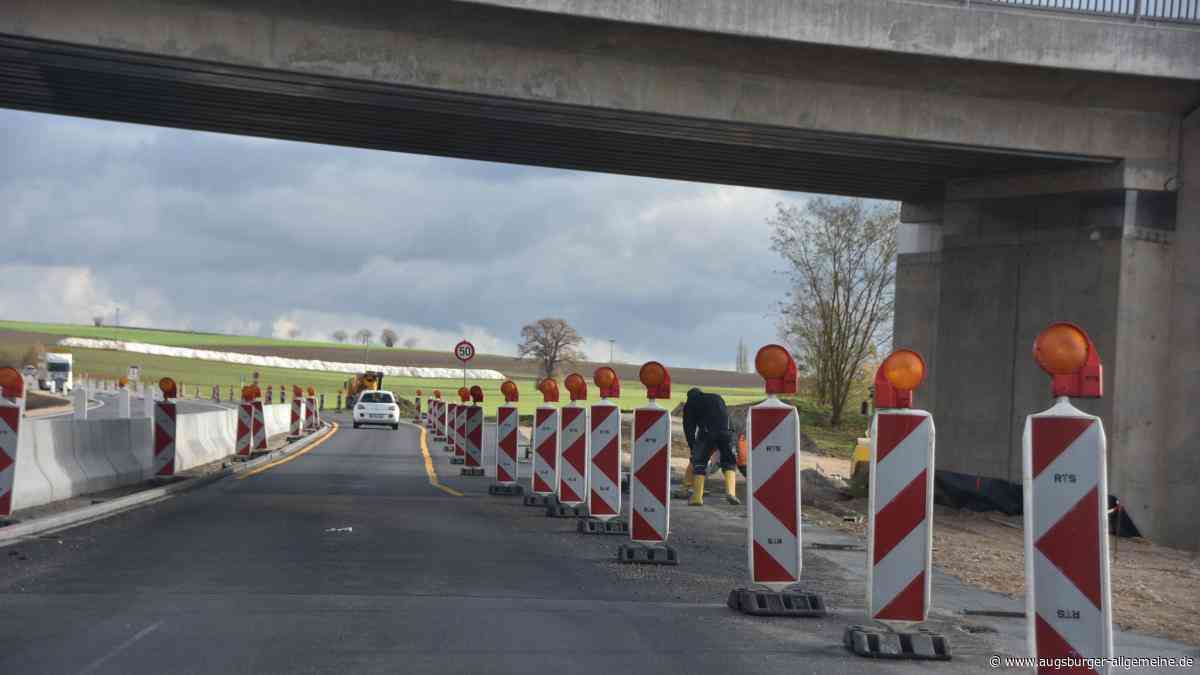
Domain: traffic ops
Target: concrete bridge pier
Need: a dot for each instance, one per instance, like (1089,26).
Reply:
(982,272)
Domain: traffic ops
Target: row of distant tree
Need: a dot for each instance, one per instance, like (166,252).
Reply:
(387,336)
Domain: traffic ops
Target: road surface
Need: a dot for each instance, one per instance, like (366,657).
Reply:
(347,560)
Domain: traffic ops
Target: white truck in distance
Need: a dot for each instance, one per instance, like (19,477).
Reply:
(58,373)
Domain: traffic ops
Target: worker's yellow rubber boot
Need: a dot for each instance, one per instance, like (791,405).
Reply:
(697,491)
(731,487)
(685,488)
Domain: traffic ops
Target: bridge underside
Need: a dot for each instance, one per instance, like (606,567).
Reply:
(118,85)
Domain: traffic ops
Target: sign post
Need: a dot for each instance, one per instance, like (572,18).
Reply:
(900,526)
(604,460)
(507,423)
(572,460)
(773,504)
(12,408)
(545,444)
(473,434)
(1068,597)
(650,480)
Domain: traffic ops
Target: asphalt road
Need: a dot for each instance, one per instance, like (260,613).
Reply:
(105,407)
(347,560)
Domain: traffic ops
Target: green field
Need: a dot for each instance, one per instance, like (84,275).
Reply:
(204,374)
(193,373)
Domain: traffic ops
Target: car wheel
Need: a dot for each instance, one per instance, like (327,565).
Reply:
(356,425)
(395,427)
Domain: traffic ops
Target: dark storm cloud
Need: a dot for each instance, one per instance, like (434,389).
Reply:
(214,232)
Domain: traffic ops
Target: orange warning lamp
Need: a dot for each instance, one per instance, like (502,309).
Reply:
(123,382)
(1065,351)
(897,377)
(12,383)
(418,392)
(509,389)
(549,389)
(168,387)
(247,393)
(297,392)
(437,393)
(777,367)
(657,380)
(608,382)
(476,394)
(312,391)
(576,386)
(464,394)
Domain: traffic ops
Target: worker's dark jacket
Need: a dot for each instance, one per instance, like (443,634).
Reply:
(705,415)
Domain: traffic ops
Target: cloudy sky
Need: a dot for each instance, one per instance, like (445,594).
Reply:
(203,231)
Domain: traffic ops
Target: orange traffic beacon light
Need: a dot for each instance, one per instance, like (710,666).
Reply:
(509,389)
(777,367)
(168,388)
(1068,355)
(464,394)
(12,383)
(657,380)
(576,387)
(549,389)
(897,377)
(437,393)
(608,382)
(476,394)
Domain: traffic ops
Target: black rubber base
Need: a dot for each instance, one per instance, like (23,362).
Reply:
(540,501)
(788,602)
(560,510)
(595,526)
(474,471)
(642,554)
(877,643)
(503,490)
(457,460)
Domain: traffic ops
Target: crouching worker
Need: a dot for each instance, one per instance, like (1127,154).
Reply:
(706,426)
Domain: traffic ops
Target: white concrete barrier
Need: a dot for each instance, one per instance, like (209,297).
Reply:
(58,459)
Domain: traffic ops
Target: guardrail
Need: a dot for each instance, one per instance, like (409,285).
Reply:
(1179,11)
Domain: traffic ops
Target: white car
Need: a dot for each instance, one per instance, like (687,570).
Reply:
(377,407)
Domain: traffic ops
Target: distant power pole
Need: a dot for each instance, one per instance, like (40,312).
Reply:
(743,361)
(611,348)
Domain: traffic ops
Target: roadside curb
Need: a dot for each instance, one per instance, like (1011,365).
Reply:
(18,532)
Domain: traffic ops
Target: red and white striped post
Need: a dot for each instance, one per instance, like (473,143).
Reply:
(900,530)
(12,407)
(259,429)
(545,441)
(507,421)
(604,449)
(773,476)
(245,428)
(297,425)
(1068,598)
(312,416)
(650,470)
(473,434)
(460,427)
(451,420)
(573,434)
(164,430)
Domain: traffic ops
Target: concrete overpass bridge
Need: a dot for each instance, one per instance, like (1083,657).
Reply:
(1043,157)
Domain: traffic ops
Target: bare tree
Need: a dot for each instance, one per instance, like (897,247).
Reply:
(389,337)
(841,255)
(341,335)
(98,320)
(363,335)
(551,342)
(293,333)
(410,343)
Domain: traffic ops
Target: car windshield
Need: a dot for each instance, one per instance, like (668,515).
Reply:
(376,397)
(58,367)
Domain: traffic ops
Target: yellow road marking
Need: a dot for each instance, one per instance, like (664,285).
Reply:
(290,457)
(433,477)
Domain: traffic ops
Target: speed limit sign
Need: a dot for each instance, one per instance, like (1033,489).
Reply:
(464,351)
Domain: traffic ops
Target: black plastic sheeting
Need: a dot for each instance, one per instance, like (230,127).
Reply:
(977,493)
